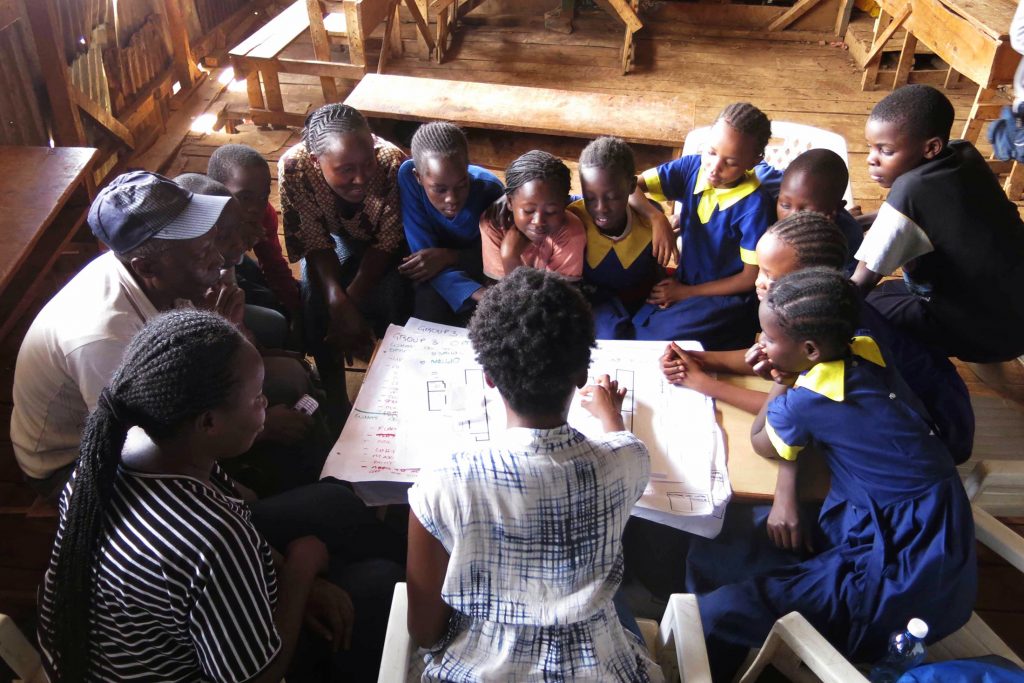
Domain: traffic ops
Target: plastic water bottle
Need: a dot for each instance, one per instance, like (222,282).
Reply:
(906,650)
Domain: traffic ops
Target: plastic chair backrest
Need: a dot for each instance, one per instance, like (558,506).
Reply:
(789,140)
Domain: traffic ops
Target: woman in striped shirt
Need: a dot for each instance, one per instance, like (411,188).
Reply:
(157,572)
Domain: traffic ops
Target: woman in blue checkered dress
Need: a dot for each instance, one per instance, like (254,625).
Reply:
(515,550)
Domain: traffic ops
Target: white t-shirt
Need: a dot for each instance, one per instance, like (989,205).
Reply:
(69,354)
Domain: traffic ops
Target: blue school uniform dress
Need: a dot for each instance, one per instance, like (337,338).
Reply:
(771,182)
(427,227)
(620,272)
(895,536)
(720,230)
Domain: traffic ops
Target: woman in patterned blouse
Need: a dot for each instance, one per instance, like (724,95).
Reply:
(340,208)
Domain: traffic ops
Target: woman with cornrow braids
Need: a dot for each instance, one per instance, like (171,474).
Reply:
(341,215)
(157,572)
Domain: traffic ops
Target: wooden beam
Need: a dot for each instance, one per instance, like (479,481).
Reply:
(103,117)
(310,67)
(421,23)
(906,62)
(67,125)
(801,8)
(879,44)
(321,47)
(265,117)
(843,19)
(623,11)
(181,50)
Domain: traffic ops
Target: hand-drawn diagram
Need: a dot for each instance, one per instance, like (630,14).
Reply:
(452,398)
(427,375)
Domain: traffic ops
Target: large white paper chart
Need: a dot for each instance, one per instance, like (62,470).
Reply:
(427,373)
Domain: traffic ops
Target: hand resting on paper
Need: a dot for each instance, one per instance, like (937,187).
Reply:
(603,400)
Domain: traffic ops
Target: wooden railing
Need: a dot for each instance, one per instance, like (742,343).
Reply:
(105,73)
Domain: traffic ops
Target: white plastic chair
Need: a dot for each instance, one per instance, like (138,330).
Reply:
(677,644)
(18,653)
(789,140)
(802,654)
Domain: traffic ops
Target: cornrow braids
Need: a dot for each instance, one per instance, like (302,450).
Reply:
(611,153)
(226,158)
(538,165)
(818,304)
(748,119)
(328,122)
(532,333)
(439,139)
(816,240)
(176,368)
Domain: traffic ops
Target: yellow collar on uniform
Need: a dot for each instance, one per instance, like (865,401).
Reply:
(721,197)
(627,248)
(829,378)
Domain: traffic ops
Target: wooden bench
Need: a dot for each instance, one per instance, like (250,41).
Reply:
(640,119)
(258,58)
(44,197)
(972,37)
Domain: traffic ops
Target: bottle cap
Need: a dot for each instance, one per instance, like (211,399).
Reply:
(918,629)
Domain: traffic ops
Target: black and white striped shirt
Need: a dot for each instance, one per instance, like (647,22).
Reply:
(184,587)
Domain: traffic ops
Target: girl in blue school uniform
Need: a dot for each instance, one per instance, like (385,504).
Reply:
(724,211)
(442,197)
(619,268)
(895,536)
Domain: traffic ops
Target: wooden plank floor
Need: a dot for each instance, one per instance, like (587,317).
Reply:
(803,81)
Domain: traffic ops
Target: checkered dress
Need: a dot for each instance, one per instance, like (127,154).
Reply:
(534,529)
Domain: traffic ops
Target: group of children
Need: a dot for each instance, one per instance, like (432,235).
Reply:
(515,552)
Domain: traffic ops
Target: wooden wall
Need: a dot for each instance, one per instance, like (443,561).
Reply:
(108,73)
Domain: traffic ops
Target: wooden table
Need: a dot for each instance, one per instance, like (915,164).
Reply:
(972,36)
(641,118)
(44,197)
(753,477)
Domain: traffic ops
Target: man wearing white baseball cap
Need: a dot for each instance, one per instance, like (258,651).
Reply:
(162,250)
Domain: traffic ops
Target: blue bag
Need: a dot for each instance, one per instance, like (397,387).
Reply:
(1007,136)
(988,669)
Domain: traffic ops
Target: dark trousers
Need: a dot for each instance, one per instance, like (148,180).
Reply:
(430,306)
(985,341)
(366,560)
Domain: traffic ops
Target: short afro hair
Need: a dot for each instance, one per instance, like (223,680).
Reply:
(532,333)
(918,110)
(201,184)
(226,158)
(824,171)
(609,153)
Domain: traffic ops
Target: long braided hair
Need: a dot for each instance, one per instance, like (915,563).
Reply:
(748,119)
(438,139)
(818,304)
(329,122)
(816,240)
(534,165)
(175,369)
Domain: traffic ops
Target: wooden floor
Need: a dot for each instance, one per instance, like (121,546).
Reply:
(810,82)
